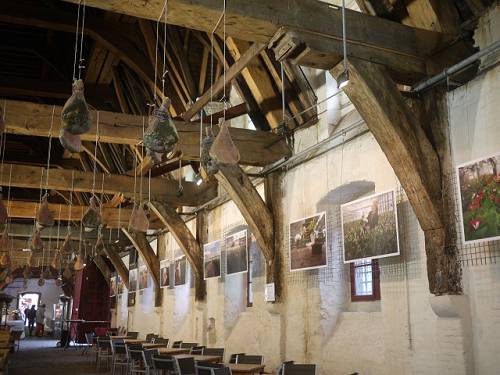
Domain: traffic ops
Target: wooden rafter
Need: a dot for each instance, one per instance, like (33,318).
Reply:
(103,267)
(64,179)
(258,148)
(186,240)
(117,262)
(253,209)
(151,260)
(241,63)
(112,217)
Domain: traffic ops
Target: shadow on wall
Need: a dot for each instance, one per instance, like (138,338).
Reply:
(332,281)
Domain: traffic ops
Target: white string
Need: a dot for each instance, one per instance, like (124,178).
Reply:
(95,152)
(224,99)
(71,199)
(164,46)
(76,40)
(49,150)
(142,157)
(80,65)
(156,52)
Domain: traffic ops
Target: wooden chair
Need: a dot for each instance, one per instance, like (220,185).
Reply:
(196,350)
(150,337)
(104,351)
(185,366)
(214,351)
(222,371)
(176,344)
(119,356)
(233,357)
(161,340)
(299,369)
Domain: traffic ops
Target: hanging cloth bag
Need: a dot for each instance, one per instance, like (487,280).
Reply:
(139,219)
(161,135)
(92,217)
(44,217)
(223,149)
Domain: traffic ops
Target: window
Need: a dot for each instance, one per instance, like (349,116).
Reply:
(365,281)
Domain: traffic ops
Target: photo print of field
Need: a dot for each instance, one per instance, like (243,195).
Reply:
(236,253)
(112,287)
(164,273)
(308,243)
(143,277)
(180,271)
(132,280)
(370,227)
(211,259)
(479,187)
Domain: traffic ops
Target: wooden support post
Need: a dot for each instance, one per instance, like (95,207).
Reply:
(152,262)
(103,267)
(117,262)
(186,240)
(274,199)
(251,205)
(413,158)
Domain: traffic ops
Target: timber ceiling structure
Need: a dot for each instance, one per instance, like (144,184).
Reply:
(125,52)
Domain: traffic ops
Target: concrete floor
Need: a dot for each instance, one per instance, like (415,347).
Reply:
(41,357)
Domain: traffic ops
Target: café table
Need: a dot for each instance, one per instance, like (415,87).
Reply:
(152,345)
(173,351)
(243,368)
(134,341)
(200,357)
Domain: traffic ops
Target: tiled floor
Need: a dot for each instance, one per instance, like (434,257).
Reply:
(42,357)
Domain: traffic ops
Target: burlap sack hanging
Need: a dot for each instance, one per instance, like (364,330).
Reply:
(56,261)
(67,272)
(4,240)
(67,247)
(208,165)
(75,115)
(139,219)
(92,218)
(223,149)
(35,242)
(71,142)
(79,262)
(5,259)
(44,217)
(161,135)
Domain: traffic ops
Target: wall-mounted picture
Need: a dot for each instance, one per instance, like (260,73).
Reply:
(119,285)
(164,274)
(370,227)
(479,187)
(143,277)
(131,299)
(308,243)
(236,246)
(212,259)
(112,286)
(180,271)
(132,280)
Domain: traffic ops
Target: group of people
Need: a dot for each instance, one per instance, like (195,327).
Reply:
(33,315)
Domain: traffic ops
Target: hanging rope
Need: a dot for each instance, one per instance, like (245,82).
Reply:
(49,149)
(156,54)
(80,65)
(71,199)
(76,40)
(95,151)
(142,158)
(165,70)
(224,99)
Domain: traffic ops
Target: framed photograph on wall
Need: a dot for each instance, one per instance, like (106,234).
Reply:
(132,280)
(131,299)
(212,259)
(112,286)
(164,274)
(236,246)
(370,227)
(143,277)
(479,189)
(308,243)
(180,268)
(119,285)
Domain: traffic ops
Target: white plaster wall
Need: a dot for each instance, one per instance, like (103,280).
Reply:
(317,322)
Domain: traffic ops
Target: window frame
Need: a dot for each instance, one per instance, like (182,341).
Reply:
(375,296)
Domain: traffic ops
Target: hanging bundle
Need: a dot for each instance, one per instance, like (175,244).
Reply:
(67,272)
(56,262)
(3,211)
(75,118)
(139,219)
(223,149)
(5,259)
(161,135)
(27,272)
(67,247)
(4,240)
(35,242)
(44,217)
(79,263)
(208,165)
(92,218)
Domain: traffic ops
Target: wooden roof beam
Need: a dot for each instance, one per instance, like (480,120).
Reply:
(112,217)
(256,147)
(186,240)
(117,262)
(259,20)
(64,179)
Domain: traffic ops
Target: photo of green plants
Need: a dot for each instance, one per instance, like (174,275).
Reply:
(369,227)
(479,187)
